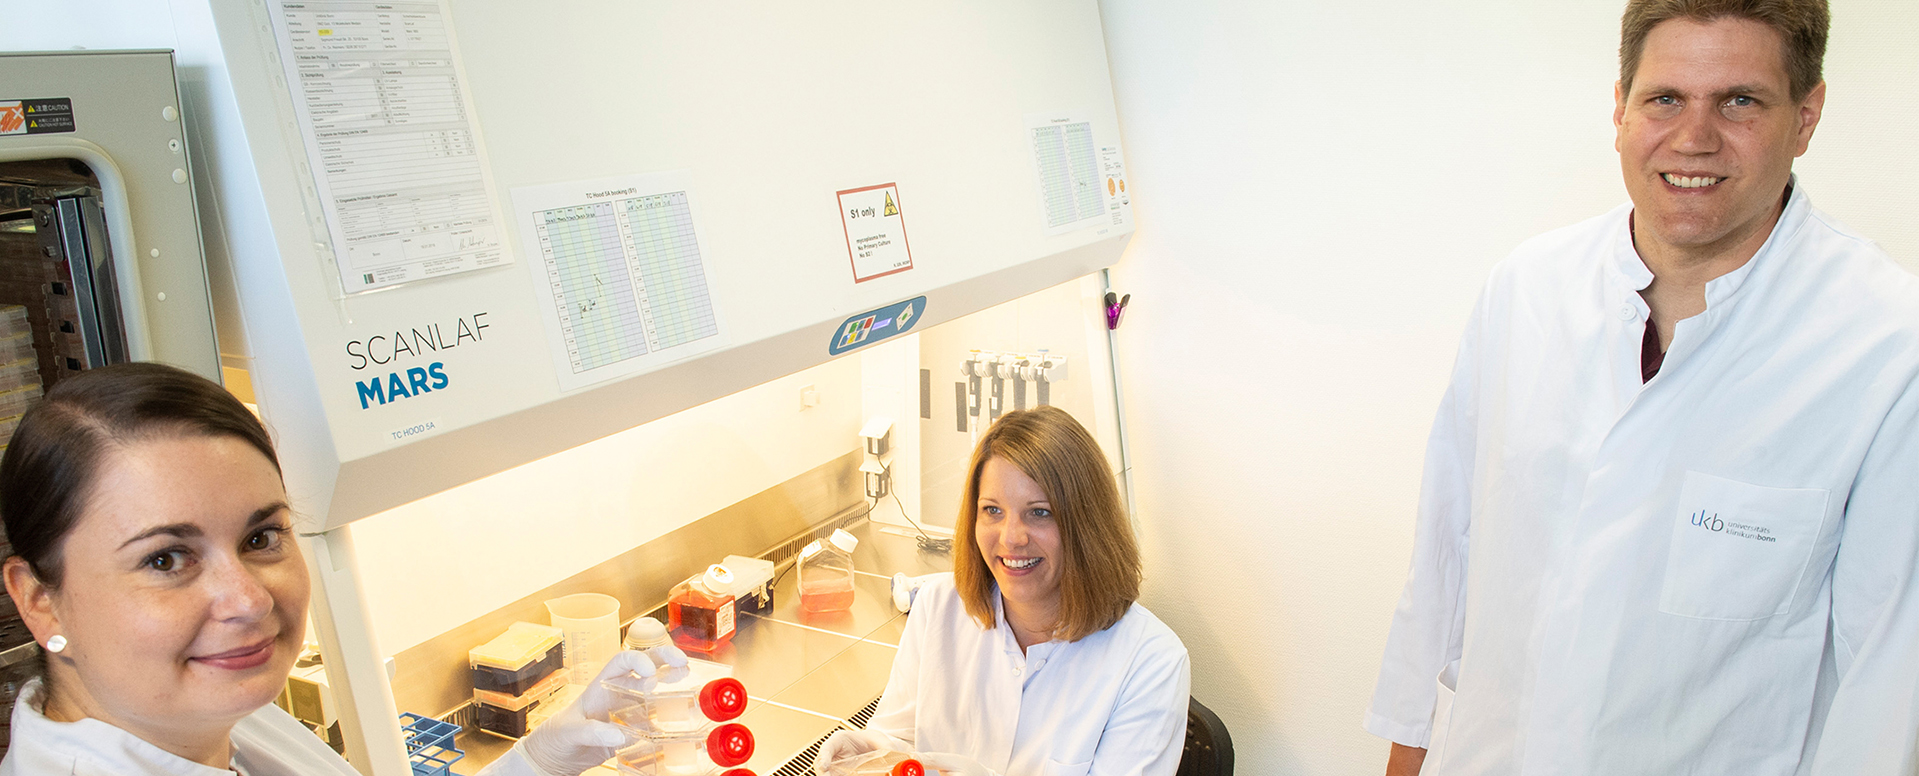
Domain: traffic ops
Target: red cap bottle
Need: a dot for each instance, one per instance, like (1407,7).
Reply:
(729,744)
(723,699)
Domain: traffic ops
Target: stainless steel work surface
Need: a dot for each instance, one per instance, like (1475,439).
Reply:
(768,656)
(890,549)
(481,748)
(805,674)
(780,733)
(889,633)
(871,612)
(845,684)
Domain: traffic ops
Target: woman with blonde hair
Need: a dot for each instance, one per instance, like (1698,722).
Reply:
(1033,658)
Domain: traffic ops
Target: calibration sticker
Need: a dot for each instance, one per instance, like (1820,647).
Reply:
(35,117)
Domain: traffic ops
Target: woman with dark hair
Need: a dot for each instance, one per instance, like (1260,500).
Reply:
(1033,658)
(156,566)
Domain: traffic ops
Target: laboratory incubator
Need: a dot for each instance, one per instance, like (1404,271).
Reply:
(100,253)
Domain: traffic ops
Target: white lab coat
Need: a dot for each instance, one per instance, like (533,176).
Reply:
(268,742)
(1710,573)
(1111,703)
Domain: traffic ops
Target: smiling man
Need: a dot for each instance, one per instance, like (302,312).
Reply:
(1670,516)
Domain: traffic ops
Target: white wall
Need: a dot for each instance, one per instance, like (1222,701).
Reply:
(93,24)
(1863,166)
(1322,188)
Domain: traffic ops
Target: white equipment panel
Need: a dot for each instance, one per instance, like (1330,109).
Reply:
(125,125)
(507,228)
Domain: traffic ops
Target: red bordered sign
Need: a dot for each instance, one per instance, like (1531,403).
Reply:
(875,224)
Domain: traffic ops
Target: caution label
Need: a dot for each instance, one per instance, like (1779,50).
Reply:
(34,117)
(875,231)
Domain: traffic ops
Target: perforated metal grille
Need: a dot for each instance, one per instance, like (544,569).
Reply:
(802,763)
(463,715)
(864,715)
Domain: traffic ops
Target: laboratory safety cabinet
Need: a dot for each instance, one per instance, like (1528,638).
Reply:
(459,237)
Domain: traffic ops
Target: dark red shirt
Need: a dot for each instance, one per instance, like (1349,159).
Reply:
(1650,356)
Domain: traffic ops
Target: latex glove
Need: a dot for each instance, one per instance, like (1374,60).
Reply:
(665,663)
(846,744)
(949,764)
(579,737)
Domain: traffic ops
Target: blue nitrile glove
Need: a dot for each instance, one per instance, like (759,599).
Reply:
(579,737)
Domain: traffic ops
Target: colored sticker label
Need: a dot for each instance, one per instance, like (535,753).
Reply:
(36,117)
(870,327)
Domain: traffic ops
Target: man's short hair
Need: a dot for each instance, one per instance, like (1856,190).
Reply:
(1802,24)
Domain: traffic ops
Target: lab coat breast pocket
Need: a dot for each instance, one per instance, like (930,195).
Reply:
(1739,550)
(1057,768)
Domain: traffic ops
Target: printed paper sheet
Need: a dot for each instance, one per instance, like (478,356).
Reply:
(1082,181)
(622,280)
(392,138)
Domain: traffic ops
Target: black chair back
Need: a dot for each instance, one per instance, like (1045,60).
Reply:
(1209,747)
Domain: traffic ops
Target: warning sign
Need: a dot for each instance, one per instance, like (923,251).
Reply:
(34,117)
(875,231)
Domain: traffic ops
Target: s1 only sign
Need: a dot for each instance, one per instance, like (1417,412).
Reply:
(875,227)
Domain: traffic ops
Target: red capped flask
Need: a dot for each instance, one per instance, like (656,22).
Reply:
(729,744)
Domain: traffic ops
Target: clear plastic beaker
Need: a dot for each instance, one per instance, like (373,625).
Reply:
(590,623)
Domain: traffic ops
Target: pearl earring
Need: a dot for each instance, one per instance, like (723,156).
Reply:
(57,644)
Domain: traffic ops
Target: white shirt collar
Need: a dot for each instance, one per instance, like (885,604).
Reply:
(41,745)
(1008,642)
(1630,274)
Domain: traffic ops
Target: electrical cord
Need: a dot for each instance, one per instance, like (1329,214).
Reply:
(926,541)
